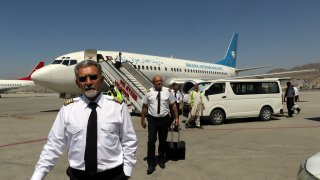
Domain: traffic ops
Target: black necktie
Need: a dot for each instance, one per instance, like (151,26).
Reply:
(175,94)
(159,99)
(90,156)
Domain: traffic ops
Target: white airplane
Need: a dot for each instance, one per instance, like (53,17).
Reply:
(6,85)
(59,75)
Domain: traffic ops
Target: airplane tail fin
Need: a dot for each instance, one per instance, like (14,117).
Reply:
(231,54)
(38,66)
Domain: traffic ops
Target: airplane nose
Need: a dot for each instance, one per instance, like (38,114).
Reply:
(42,76)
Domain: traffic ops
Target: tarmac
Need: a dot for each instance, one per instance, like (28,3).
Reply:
(240,149)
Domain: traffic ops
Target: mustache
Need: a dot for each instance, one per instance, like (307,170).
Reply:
(88,88)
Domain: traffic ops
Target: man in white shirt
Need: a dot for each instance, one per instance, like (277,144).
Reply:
(156,103)
(96,130)
(178,96)
(296,93)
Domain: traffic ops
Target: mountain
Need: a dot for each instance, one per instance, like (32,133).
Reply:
(306,80)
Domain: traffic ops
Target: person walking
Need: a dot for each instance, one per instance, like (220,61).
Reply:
(296,99)
(96,130)
(179,100)
(178,97)
(195,107)
(289,98)
(156,103)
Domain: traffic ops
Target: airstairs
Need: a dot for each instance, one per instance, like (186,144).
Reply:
(131,81)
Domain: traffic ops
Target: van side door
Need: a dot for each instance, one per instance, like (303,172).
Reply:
(215,97)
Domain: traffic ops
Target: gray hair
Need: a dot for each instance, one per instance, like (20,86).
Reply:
(87,63)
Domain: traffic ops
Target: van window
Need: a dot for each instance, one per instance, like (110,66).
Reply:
(242,88)
(216,88)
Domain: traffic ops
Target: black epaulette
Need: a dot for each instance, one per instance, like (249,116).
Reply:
(69,101)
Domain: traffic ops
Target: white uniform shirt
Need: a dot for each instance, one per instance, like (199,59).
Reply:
(178,96)
(151,100)
(117,141)
(296,91)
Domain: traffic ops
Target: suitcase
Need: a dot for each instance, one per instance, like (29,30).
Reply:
(175,150)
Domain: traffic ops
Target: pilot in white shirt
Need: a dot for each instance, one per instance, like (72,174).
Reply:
(116,139)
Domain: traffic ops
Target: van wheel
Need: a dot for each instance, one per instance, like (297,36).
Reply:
(217,117)
(265,114)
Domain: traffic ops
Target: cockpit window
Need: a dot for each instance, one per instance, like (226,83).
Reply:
(65,62)
(72,62)
(56,62)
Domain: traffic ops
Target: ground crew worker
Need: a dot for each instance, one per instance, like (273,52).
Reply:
(289,98)
(195,107)
(115,93)
(97,131)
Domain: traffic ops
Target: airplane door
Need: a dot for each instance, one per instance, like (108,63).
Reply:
(90,54)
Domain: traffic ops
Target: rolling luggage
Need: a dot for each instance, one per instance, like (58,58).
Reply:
(175,150)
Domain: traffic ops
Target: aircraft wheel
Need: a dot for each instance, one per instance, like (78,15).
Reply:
(217,117)
(265,114)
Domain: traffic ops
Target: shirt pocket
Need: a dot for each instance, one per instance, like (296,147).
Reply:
(110,134)
(75,136)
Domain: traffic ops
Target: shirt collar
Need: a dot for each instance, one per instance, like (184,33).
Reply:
(98,100)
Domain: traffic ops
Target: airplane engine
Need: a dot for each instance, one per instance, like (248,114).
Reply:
(186,86)
(184,83)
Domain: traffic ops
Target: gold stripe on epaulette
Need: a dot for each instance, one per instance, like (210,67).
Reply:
(67,102)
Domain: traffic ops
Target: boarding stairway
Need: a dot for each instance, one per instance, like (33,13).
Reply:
(131,81)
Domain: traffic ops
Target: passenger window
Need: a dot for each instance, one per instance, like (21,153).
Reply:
(216,88)
(150,67)
(159,68)
(147,67)
(138,66)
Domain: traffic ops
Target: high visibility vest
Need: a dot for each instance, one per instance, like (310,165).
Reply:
(118,94)
(192,97)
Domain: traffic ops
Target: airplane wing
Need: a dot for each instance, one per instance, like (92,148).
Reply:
(274,74)
(252,68)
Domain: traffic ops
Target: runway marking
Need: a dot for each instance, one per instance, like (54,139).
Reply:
(24,142)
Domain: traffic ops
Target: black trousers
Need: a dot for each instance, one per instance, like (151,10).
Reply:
(290,103)
(110,174)
(157,126)
(178,108)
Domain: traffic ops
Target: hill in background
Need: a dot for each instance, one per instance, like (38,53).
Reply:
(307,80)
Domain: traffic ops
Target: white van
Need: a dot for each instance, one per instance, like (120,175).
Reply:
(241,98)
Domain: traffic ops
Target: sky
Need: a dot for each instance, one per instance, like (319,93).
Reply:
(280,33)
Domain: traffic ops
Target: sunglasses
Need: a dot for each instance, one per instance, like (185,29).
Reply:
(92,77)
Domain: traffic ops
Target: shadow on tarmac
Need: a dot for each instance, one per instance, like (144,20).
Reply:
(54,110)
(314,119)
